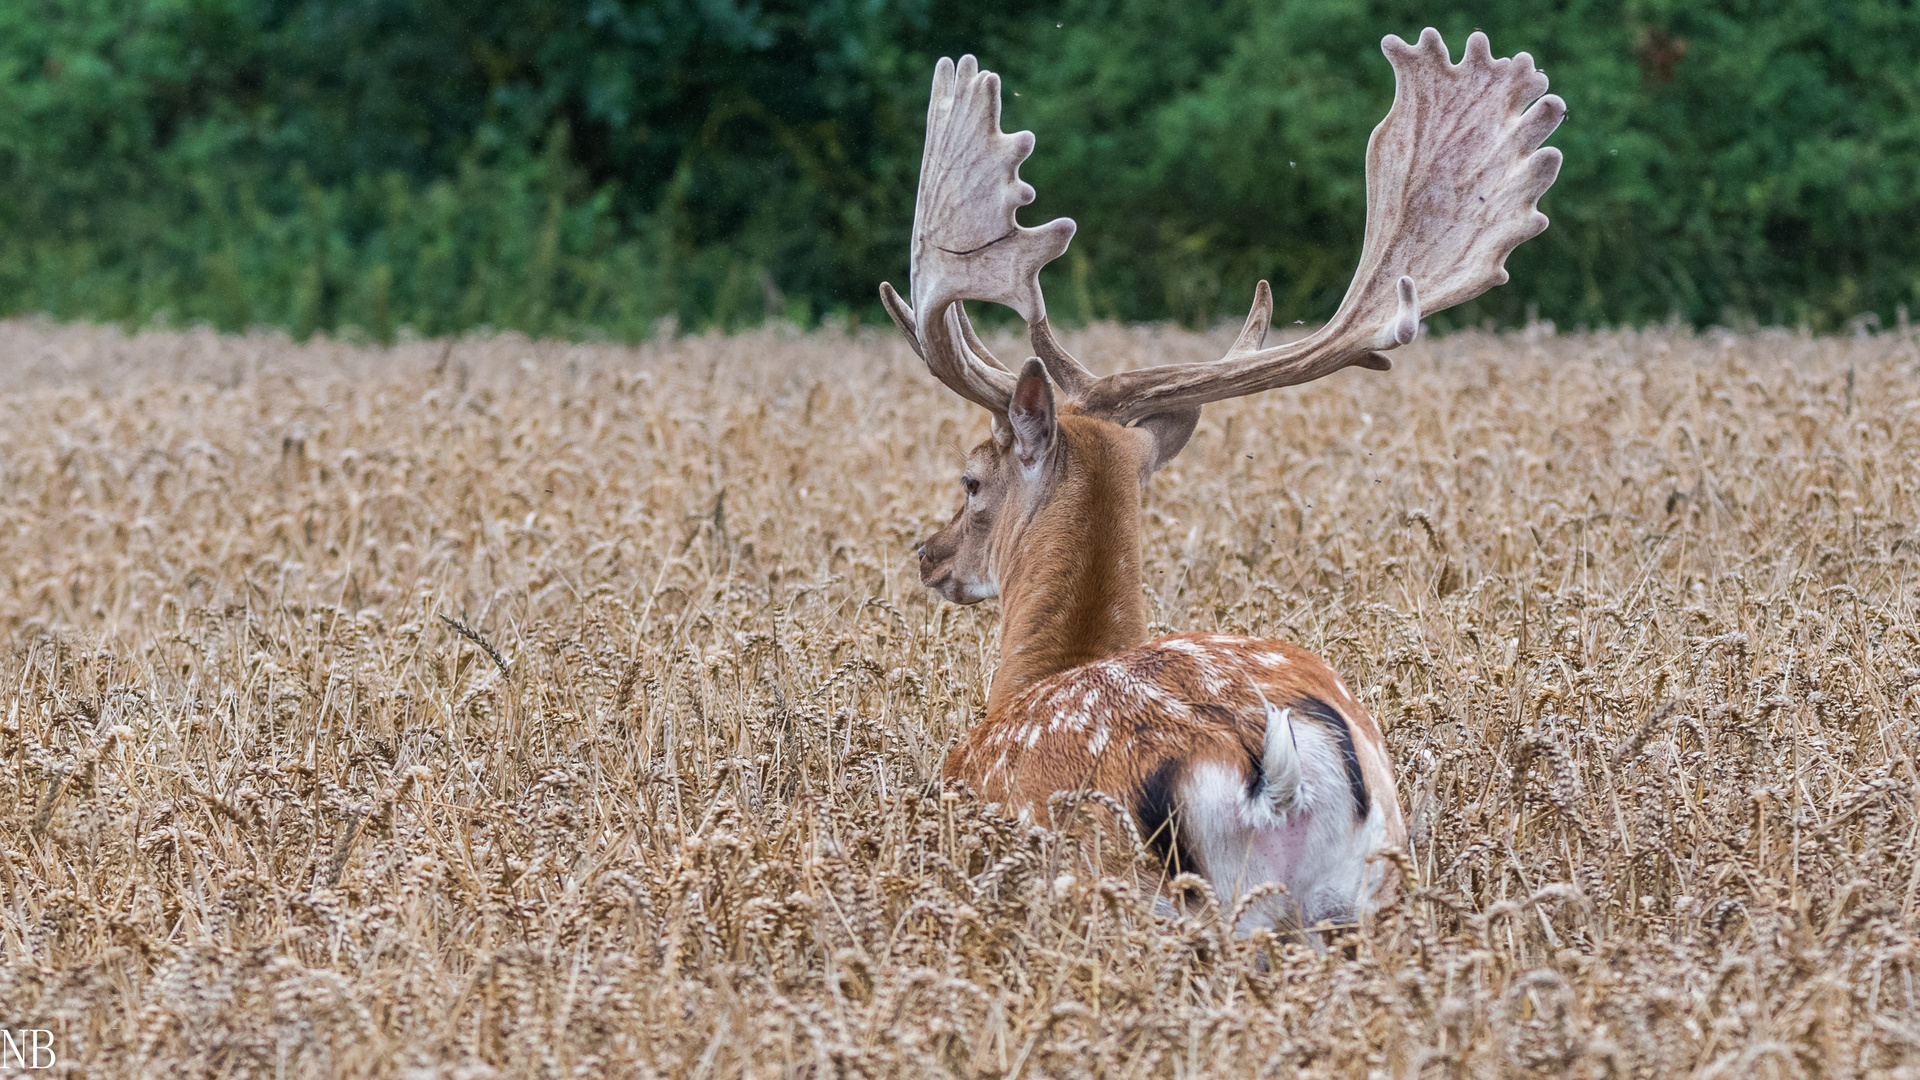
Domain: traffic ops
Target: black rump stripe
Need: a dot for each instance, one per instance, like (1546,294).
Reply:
(1336,721)
(1158,825)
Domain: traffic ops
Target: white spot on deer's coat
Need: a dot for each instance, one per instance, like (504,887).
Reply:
(1073,721)
(1269,659)
(1181,645)
(1033,735)
(1098,742)
(1157,696)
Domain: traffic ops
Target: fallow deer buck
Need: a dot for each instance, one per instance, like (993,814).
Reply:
(1243,760)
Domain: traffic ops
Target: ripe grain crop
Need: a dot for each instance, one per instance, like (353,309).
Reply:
(517,708)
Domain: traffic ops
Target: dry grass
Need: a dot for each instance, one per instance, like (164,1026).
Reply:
(544,709)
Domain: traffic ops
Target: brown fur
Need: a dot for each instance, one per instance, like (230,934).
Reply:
(1158,703)
(1081,701)
(1069,594)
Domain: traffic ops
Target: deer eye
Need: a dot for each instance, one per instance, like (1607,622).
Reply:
(971,484)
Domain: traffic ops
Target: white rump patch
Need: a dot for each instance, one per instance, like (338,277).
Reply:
(1315,848)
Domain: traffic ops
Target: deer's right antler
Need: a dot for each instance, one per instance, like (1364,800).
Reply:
(1453,176)
(966,243)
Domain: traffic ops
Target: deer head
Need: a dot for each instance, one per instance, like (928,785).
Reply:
(1051,505)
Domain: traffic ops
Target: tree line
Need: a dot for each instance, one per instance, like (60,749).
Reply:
(597,167)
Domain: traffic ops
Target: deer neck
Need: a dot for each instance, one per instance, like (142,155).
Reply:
(1070,581)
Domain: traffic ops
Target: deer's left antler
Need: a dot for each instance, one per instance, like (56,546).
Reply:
(966,243)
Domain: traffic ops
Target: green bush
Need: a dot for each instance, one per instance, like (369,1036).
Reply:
(590,167)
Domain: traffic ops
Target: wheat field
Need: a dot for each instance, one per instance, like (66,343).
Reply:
(511,708)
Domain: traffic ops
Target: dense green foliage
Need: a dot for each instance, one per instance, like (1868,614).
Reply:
(591,166)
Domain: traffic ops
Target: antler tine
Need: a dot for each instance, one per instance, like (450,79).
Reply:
(1253,333)
(902,316)
(967,244)
(1066,371)
(1454,173)
(1062,368)
(978,347)
(959,359)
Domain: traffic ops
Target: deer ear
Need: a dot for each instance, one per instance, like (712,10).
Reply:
(1030,414)
(1169,432)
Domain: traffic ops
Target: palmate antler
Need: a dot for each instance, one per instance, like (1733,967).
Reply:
(1454,173)
(967,245)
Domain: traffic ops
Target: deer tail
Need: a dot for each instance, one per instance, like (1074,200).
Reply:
(1279,758)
